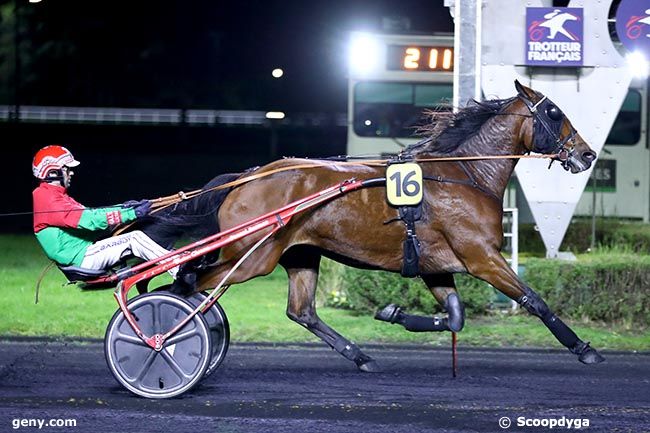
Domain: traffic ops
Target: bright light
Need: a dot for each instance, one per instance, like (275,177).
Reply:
(446,59)
(34,1)
(364,54)
(367,122)
(277,73)
(638,64)
(275,115)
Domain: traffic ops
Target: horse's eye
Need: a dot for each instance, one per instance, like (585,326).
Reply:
(554,113)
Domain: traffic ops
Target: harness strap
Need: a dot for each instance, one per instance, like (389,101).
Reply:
(411,245)
(477,185)
(470,181)
(533,109)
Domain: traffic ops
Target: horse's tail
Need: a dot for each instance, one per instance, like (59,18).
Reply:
(193,218)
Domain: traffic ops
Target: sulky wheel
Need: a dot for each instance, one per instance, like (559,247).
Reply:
(219,330)
(178,366)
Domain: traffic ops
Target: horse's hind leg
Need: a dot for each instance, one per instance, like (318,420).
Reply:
(302,265)
(495,270)
(444,290)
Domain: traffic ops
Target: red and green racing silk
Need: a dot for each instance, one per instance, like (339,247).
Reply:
(65,228)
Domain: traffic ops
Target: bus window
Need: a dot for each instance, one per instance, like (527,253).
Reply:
(627,126)
(432,96)
(395,109)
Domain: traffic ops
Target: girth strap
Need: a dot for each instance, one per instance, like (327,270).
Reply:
(411,245)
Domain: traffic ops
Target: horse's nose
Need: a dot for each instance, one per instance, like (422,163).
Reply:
(588,156)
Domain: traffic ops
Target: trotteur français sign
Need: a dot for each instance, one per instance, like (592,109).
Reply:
(554,36)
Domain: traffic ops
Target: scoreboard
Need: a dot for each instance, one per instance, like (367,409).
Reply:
(419,58)
(392,80)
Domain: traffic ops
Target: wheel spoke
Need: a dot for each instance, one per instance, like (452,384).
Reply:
(155,320)
(175,339)
(174,365)
(145,367)
(130,339)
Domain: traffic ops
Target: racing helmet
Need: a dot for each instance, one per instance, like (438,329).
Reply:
(50,160)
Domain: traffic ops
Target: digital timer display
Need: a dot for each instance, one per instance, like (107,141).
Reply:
(419,58)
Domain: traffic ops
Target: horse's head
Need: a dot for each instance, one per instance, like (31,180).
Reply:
(551,132)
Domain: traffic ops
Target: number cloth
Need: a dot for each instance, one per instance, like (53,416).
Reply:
(404,184)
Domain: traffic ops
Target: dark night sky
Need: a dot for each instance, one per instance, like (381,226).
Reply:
(199,54)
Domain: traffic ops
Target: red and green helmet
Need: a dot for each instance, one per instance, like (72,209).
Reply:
(50,158)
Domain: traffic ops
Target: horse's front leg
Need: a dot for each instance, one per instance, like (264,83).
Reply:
(443,288)
(302,268)
(494,269)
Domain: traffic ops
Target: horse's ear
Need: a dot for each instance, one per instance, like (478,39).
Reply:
(524,91)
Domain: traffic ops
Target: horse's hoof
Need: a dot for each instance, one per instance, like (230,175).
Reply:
(369,366)
(590,356)
(389,313)
(586,354)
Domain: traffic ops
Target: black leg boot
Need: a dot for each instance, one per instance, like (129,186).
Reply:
(565,335)
(455,312)
(392,313)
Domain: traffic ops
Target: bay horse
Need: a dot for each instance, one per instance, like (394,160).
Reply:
(459,231)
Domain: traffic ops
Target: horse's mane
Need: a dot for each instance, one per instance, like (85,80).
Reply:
(446,131)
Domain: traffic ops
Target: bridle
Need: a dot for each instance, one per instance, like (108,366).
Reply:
(548,120)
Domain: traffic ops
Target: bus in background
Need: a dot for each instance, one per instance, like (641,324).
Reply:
(619,185)
(394,78)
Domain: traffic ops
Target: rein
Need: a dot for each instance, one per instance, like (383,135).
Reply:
(161,203)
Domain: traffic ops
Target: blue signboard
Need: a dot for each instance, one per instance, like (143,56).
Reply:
(554,36)
(633,25)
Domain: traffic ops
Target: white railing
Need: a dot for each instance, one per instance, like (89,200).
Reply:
(511,231)
(158,116)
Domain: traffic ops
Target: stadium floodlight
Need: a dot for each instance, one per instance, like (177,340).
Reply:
(638,64)
(364,54)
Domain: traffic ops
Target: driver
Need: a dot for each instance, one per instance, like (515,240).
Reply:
(66,229)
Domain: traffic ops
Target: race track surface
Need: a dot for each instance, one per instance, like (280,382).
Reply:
(260,388)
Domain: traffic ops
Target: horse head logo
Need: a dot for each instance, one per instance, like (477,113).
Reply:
(554,22)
